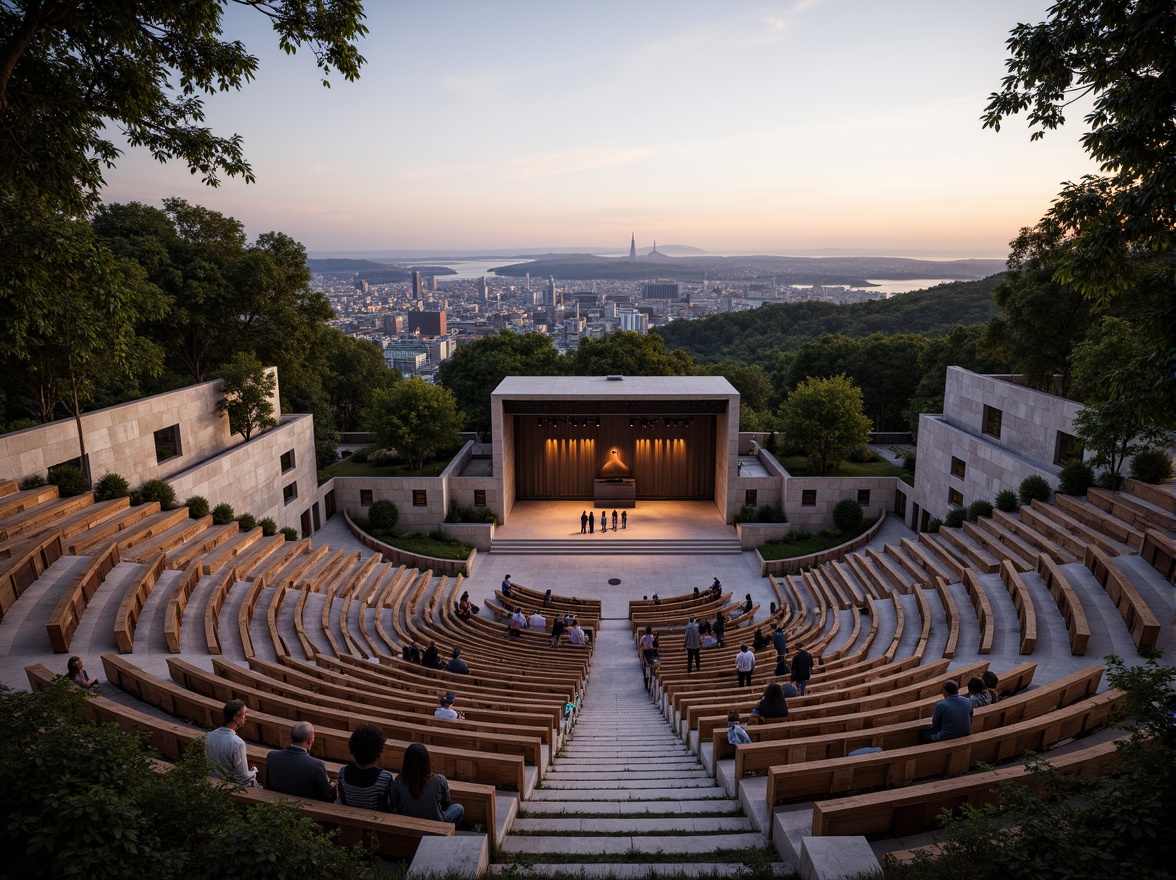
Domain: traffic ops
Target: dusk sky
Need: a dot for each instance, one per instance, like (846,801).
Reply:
(747,127)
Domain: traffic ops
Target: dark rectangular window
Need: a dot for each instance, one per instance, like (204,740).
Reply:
(955,498)
(750,496)
(1069,448)
(900,504)
(289,493)
(365,497)
(808,497)
(864,497)
(958,468)
(314,511)
(992,420)
(420,498)
(167,443)
(479,498)
(288,461)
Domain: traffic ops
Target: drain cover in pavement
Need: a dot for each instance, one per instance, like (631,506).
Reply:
(614,581)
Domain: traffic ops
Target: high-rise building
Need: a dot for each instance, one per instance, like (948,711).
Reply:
(661,290)
(393,325)
(631,319)
(483,289)
(427,323)
(633,248)
(417,286)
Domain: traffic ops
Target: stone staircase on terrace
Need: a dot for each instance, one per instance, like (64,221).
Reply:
(626,797)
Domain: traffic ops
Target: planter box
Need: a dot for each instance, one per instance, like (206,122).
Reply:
(450,567)
(796,563)
(751,535)
(477,535)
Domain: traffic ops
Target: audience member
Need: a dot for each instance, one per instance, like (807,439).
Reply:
(697,593)
(557,629)
(790,690)
(576,634)
(952,718)
(772,704)
(411,653)
(456,665)
(518,623)
(780,641)
(692,641)
(977,694)
(420,792)
(445,707)
(506,586)
(759,640)
(547,598)
(802,669)
(361,783)
(77,674)
(431,659)
(293,771)
(783,667)
(537,622)
(226,749)
(736,735)
(772,609)
(720,627)
(465,607)
(649,646)
(744,665)
(991,681)
(747,604)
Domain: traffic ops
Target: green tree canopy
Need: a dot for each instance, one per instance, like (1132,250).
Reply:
(627,353)
(355,370)
(824,417)
(248,389)
(415,418)
(476,369)
(963,347)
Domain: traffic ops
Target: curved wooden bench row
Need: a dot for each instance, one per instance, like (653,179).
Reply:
(22,499)
(216,599)
(1136,511)
(983,609)
(245,612)
(1082,532)
(171,738)
(330,741)
(177,601)
(818,779)
(973,554)
(904,811)
(130,534)
(168,540)
(64,619)
(27,563)
(1067,601)
(681,602)
(986,536)
(133,601)
(1159,551)
(925,559)
(1023,602)
(1141,621)
(1103,521)
(1021,527)
(952,614)
(574,604)
(39,517)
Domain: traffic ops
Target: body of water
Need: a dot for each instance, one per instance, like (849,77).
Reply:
(471,269)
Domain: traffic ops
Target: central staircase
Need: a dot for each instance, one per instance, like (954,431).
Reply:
(625,796)
(609,545)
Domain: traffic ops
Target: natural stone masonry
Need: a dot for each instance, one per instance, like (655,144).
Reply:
(626,789)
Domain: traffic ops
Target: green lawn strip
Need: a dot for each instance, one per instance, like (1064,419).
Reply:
(790,547)
(418,542)
(349,468)
(799,466)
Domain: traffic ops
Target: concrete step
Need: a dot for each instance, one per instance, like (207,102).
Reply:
(640,869)
(633,808)
(696,825)
(608,545)
(625,781)
(695,844)
(620,794)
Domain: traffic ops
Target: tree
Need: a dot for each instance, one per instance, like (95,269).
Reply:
(72,72)
(627,353)
(476,368)
(415,418)
(825,418)
(355,370)
(249,391)
(964,346)
(755,392)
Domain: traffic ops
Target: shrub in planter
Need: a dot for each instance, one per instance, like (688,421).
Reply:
(268,526)
(197,507)
(955,517)
(1075,478)
(222,514)
(157,490)
(908,462)
(486,515)
(69,480)
(1109,480)
(359,456)
(291,534)
(979,508)
(383,515)
(1152,466)
(1006,500)
(1034,487)
(247,522)
(933,525)
(36,481)
(771,513)
(111,486)
(847,514)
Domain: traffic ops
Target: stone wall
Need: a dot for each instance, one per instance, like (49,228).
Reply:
(401,491)
(818,515)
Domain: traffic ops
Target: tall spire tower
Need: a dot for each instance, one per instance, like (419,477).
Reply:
(633,249)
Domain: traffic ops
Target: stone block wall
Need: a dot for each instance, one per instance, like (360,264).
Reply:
(400,491)
(829,490)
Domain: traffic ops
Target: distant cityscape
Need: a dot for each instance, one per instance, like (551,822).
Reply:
(420,321)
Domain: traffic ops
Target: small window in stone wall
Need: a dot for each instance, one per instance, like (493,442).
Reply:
(750,496)
(290,493)
(808,498)
(1069,448)
(167,443)
(479,498)
(955,497)
(365,497)
(864,497)
(992,420)
(958,467)
(288,461)
(420,498)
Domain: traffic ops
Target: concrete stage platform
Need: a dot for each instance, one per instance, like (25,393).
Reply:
(649,520)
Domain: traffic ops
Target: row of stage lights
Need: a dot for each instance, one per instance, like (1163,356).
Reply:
(594,422)
(573,421)
(647,424)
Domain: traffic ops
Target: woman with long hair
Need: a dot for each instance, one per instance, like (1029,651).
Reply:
(772,705)
(420,792)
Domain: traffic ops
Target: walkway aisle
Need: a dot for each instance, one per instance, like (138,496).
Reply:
(625,795)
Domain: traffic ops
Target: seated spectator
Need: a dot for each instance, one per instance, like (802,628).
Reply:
(759,641)
(431,659)
(782,667)
(411,653)
(649,646)
(506,586)
(697,593)
(708,640)
(978,694)
(465,607)
(361,783)
(420,792)
(518,623)
(656,600)
(293,771)
(77,674)
(952,718)
(772,609)
(547,598)
(445,707)
(226,749)
(772,704)
(557,629)
(736,735)
(990,682)
(456,665)
(747,604)
(537,621)
(576,635)
(790,690)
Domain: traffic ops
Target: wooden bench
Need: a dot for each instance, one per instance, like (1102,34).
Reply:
(818,779)
(939,549)
(994,547)
(1023,602)
(1023,530)
(1100,520)
(1067,601)
(177,601)
(1140,619)
(133,601)
(1138,512)
(983,609)
(952,613)
(27,563)
(42,516)
(924,558)
(966,546)
(1159,551)
(1084,533)
(904,811)
(66,616)
(216,600)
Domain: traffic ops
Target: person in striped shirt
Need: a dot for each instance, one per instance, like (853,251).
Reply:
(362,783)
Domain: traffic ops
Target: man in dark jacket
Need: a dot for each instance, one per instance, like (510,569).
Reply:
(293,771)
(802,670)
